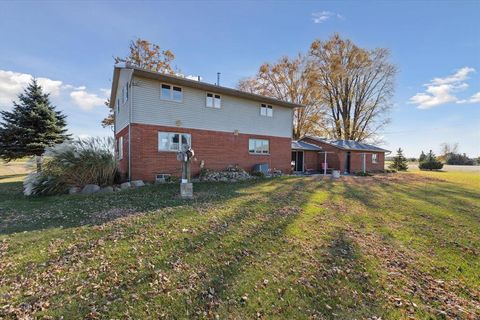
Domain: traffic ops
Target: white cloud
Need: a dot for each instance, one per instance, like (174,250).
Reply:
(475,98)
(322,16)
(13,83)
(442,90)
(459,76)
(86,101)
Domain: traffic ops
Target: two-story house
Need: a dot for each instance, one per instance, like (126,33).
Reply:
(156,113)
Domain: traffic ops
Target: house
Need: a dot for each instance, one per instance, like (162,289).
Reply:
(155,114)
(347,156)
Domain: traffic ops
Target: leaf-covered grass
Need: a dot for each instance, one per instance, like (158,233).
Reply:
(394,246)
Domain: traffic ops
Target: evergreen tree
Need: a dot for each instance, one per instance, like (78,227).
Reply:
(422,157)
(31,126)
(430,163)
(399,163)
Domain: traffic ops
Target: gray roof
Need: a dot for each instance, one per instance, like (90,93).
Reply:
(350,145)
(302,145)
(197,85)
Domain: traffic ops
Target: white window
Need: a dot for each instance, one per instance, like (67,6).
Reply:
(118,105)
(169,92)
(125,93)
(214,101)
(374,158)
(170,141)
(266,110)
(258,146)
(120,148)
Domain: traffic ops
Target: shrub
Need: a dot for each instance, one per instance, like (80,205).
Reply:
(458,159)
(399,162)
(430,163)
(259,174)
(74,164)
(362,174)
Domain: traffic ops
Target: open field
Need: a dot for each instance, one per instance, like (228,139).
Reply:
(391,246)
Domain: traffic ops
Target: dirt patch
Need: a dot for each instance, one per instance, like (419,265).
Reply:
(438,296)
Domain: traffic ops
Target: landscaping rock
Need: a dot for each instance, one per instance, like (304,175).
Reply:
(90,188)
(125,185)
(73,190)
(230,174)
(137,183)
(107,189)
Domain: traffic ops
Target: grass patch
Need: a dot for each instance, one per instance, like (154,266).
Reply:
(390,246)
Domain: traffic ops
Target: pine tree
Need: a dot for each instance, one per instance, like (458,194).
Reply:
(430,163)
(399,163)
(31,126)
(422,157)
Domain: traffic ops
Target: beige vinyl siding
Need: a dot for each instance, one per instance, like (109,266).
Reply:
(122,117)
(235,113)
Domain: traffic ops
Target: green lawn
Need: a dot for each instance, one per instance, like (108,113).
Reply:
(395,246)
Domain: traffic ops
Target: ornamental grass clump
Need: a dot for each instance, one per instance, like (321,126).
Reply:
(74,164)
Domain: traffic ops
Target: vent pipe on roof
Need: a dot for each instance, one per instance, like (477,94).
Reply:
(218,78)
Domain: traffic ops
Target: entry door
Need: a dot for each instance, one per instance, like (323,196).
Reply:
(347,162)
(297,156)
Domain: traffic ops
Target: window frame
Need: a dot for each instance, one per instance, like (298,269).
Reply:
(214,98)
(267,108)
(180,136)
(255,140)
(120,148)
(375,158)
(170,98)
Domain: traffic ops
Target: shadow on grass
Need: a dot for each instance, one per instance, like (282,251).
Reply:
(19,213)
(221,251)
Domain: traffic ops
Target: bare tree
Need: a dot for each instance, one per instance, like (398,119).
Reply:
(148,56)
(292,80)
(448,148)
(355,85)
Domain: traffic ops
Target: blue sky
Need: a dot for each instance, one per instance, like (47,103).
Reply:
(436,46)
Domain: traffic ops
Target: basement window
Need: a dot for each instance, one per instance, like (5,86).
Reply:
(172,93)
(266,110)
(213,101)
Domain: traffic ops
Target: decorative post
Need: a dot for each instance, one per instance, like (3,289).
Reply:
(185,156)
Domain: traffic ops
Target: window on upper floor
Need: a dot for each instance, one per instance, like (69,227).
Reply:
(172,93)
(125,93)
(213,101)
(170,141)
(266,110)
(374,158)
(118,105)
(258,146)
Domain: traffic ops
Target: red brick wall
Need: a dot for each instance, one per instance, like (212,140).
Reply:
(215,149)
(356,162)
(311,161)
(337,159)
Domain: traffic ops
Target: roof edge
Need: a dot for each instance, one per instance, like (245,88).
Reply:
(203,86)
(341,148)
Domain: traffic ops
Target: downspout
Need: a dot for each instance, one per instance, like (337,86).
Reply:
(130,128)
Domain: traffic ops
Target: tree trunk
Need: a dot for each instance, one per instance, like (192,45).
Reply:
(38,160)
